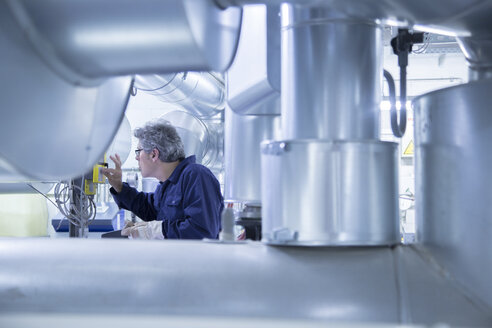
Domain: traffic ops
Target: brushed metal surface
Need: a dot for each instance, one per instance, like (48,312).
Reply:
(200,93)
(317,192)
(343,285)
(51,129)
(83,40)
(254,76)
(452,180)
(242,137)
(331,75)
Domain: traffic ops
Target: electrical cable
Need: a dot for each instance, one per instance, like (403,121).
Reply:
(398,128)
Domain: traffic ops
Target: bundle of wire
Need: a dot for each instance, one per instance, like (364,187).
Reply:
(80,212)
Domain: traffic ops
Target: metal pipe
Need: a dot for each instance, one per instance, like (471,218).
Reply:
(215,280)
(457,18)
(199,93)
(242,137)
(324,97)
(84,41)
(478,53)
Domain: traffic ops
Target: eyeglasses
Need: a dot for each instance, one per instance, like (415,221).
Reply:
(137,151)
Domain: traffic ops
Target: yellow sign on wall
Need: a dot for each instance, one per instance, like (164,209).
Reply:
(409,149)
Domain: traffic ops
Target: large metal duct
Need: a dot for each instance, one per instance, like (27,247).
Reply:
(200,93)
(50,128)
(83,40)
(254,76)
(452,161)
(253,103)
(242,138)
(57,101)
(323,96)
(213,281)
(459,18)
(329,181)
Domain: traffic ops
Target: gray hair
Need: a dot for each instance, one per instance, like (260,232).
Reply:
(162,135)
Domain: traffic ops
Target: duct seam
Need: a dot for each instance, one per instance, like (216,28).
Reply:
(426,255)
(404,314)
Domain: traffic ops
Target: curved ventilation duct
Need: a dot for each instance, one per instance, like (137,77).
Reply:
(57,101)
(478,53)
(201,138)
(83,40)
(200,93)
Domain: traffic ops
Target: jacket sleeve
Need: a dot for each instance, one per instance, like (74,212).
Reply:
(202,206)
(140,203)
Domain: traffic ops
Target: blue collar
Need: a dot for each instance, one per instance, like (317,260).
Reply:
(177,171)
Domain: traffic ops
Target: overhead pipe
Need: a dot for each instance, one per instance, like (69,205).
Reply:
(449,17)
(200,93)
(64,55)
(478,53)
(96,39)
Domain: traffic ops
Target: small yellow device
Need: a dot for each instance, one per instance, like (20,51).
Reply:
(97,177)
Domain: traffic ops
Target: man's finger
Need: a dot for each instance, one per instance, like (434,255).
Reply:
(117,161)
(107,172)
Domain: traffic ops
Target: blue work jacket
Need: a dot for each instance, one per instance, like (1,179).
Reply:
(189,203)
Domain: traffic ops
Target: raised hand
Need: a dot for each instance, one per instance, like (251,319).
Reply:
(114,175)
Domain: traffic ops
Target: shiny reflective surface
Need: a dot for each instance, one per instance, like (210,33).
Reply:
(192,131)
(200,93)
(82,40)
(317,192)
(323,96)
(56,130)
(453,194)
(450,17)
(248,280)
(243,135)
(254,76)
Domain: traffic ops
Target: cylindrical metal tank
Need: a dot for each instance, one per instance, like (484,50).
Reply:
(453,131)
(242,137)
(331,75)
(319,192)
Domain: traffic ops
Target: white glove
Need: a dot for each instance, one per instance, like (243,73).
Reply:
(144,230)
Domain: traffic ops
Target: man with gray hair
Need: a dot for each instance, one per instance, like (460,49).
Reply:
(187,204)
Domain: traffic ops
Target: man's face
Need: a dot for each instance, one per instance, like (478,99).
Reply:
(143,160)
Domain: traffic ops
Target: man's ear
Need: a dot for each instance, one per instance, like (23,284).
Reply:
(155,153)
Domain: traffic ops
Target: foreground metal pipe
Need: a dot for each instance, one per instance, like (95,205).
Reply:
(42,277)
